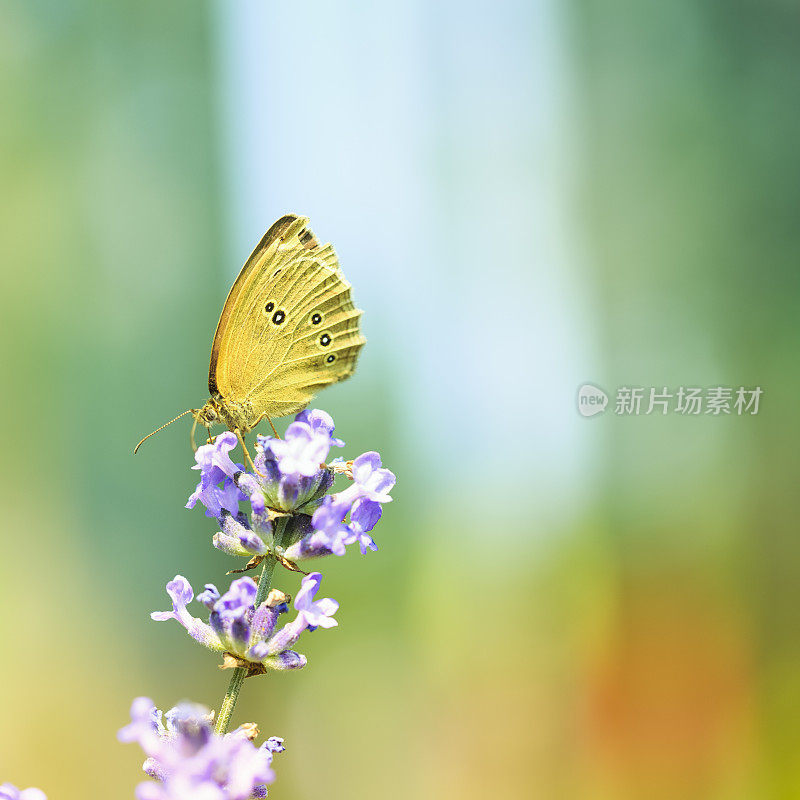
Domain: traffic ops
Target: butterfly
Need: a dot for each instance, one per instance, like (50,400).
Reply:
(288,329)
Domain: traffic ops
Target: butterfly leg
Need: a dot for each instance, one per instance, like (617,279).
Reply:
(247,453)
(277,435)
(209,437)
(191,436)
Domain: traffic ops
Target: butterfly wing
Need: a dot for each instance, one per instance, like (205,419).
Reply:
(288,328)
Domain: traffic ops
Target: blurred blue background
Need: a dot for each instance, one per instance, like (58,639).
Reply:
(526,196)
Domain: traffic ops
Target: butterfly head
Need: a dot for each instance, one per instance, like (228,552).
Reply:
(208,414)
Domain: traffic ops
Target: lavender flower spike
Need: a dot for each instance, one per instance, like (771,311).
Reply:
(10,792)
(186,759)
(247,633)
(293,516)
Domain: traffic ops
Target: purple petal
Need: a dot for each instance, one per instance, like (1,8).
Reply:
(143,721)
(238,599)
(180,591)
(284,638)
(366,542)
(382,481)
(327,607)
(308,588)
(209,596)
(364,465)
(364,515)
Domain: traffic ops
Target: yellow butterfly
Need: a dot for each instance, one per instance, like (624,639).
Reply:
(288,329)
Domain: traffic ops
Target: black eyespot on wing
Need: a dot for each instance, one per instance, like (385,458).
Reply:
(325,339)
(316,318)
(278,317)
(269,306)
(331,358)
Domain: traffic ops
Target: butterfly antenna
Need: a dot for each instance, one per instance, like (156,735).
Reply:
(188,411)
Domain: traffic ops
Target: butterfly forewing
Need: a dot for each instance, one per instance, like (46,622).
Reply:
(289,327)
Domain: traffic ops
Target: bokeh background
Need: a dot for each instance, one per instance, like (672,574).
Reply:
(527,195)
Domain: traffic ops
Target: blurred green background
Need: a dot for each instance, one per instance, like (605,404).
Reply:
(526,196)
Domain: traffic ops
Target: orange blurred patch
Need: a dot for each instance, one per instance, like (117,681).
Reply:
(668,702)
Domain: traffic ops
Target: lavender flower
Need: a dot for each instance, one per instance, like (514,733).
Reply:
(361,501)
(189,761)
(217,490)
(292,482)
(305,446)
(310,614)
(246,634)
(10,792)
(372,481)
(293,470)
(181,594)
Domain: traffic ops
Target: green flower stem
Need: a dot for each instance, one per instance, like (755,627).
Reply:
(229,703)
(239,673)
